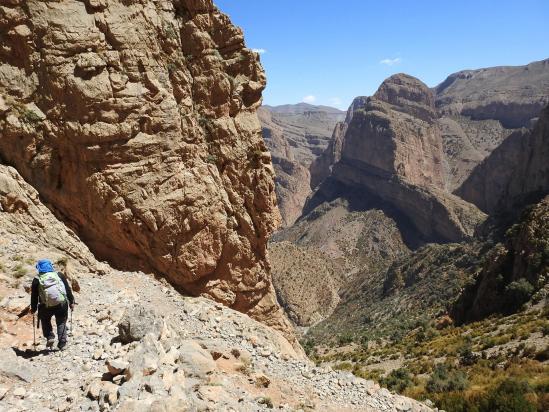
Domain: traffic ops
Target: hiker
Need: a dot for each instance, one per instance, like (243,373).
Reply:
(52,291)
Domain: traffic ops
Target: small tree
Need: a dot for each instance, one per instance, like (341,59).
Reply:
(519,292)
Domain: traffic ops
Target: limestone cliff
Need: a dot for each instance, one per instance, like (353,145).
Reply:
(515,173)
(395,133)
(296,135)
(392,149)
(136,122)
(321,167)
(479,109)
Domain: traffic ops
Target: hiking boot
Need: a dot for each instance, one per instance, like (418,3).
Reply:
(50,342)
(62,345)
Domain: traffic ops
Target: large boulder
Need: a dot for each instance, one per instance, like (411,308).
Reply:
(137,322)
(194,360)
(14,367)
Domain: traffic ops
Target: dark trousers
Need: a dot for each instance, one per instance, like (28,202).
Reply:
(61,313)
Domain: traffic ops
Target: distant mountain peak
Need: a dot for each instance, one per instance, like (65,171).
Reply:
(301,108)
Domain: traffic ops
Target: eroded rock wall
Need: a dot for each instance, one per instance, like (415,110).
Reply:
(136,122)
(296,135)
(480,109)
(515,173)
(392,148)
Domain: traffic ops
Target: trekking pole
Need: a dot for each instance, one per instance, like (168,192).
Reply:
(34,332)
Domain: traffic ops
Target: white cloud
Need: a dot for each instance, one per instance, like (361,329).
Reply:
(259,51)
(391,62)
(309,99)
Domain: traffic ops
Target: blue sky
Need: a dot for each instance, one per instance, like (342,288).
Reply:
(328,52)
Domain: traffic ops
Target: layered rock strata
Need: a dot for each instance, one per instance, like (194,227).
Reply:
(393,149)
(296,135)
(515,173)
(479,109)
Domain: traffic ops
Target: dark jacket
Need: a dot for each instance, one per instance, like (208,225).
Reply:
(35,296)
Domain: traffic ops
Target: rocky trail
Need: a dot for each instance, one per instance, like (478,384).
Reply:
(185,354)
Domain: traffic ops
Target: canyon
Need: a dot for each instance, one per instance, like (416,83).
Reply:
(214,243)
(427,224)
(393,180)
(296,135)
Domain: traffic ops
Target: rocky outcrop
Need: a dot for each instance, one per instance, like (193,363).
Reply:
(321,167)
(397,135)
(514,270)
(22,213)
(515,173)
(480,109)
(136,123)
(295,136)
(512,95)
(393,149)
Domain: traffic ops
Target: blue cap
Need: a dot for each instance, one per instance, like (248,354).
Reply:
(44,265)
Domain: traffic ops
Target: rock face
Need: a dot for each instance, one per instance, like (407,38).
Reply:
(479,109)
(396,134)
(393,149)
(513,95)
(321,168)
(513,270)
(515,173)
(22,213)
(296,135)
(137,124)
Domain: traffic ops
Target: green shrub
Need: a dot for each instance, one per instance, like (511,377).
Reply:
(466,356)
(398,380)
(456,402)
(519,292)
(509,396)
(344,366)
(446,379)
(19,271)
(308,346)
(344,339)
(30,117)
(211,159)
